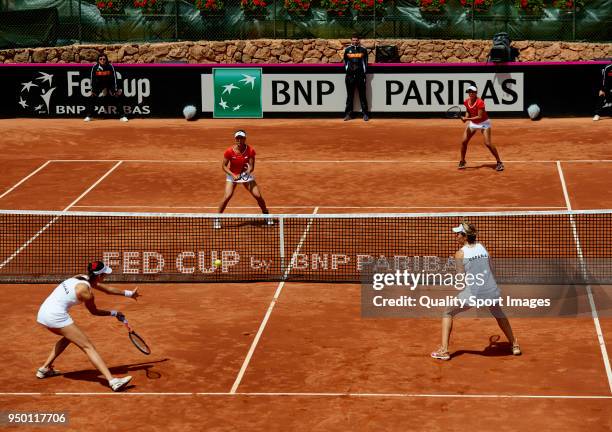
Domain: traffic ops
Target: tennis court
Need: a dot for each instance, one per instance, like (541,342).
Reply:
(298,355)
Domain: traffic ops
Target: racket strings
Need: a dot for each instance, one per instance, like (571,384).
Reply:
(139,343)
(454,112)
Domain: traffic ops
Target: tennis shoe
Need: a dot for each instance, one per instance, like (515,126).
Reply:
(440,355)
(118,384)
(347,117)
(461,165)
(596,117)
(124,119)
(216,223)
(87,119)
(366,117)
(516,350)
(499,166)
(47,372)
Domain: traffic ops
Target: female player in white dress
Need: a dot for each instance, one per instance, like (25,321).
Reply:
(53,314)
(473,259)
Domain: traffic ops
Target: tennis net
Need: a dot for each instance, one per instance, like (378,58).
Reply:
(526,247)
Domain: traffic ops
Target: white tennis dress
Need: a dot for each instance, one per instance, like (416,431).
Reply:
(476,262)
(53,312)
(482,125)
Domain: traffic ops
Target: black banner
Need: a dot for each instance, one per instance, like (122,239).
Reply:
(153,90)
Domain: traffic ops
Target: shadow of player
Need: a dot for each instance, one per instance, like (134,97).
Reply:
(476,167)
(494,349)
(93,375)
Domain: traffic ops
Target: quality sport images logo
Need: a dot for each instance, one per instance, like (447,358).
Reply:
(66,92)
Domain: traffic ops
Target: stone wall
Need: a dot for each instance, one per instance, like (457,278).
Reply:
(302,51)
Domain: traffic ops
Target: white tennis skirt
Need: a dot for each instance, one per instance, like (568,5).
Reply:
(53,319)
(484,125)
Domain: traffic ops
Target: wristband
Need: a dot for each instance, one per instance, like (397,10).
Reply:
(128,293)
(113,313)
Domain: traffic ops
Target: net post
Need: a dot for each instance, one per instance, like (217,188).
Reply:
(281,242)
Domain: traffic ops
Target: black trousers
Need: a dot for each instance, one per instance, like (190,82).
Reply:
(601,102)
(352,82)
(108,99)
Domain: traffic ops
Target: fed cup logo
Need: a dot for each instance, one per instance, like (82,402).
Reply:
(35,95)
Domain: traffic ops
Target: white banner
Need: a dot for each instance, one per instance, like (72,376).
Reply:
(386,92)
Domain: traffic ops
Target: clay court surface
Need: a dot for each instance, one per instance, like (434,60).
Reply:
(299,356)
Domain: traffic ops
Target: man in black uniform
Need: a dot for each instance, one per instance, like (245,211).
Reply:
(605,92)
(104,84)
(355,65)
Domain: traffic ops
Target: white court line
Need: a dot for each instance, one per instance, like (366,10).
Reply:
(262,326)
(23,180)
(325,207)
(52,221)
(338,161)
(600,337)
(93,186)
(315,395)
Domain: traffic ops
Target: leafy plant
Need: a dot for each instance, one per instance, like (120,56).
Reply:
(110,7)
(369,6)
(297,6)
(253,6)
(477,5)
(339,7)
(208,5)
(431,5)
(530,6)
(568,4)
(149,7)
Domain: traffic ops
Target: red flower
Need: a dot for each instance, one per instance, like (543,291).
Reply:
(100,5)
(524,3)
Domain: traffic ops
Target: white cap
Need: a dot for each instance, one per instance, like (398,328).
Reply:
(101,267)
(472,88)
(459,229)
(240,133)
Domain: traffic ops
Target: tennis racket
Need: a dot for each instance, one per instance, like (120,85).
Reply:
(244,176)
(138,341)
(454,112)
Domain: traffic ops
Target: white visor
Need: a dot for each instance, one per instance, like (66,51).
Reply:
(459,229)
(471,88)
(240,134)
(105,270)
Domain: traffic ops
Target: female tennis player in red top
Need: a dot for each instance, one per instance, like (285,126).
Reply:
(478,119)
(238,165)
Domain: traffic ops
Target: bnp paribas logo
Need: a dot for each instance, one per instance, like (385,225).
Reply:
(237,93)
